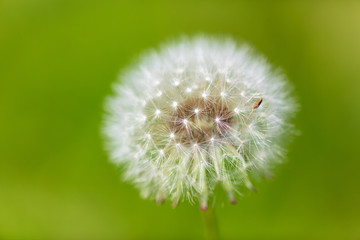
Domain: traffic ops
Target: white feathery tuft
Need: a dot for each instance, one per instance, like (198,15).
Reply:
(197,113)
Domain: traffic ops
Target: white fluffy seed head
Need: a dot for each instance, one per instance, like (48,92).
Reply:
(197,113)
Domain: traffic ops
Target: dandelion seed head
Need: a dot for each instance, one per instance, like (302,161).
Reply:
(198,113)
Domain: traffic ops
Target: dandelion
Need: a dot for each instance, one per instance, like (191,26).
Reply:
(195,114)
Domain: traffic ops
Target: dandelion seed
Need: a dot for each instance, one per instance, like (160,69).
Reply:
(157,112)
(142,118)
(257,103)
(226,144)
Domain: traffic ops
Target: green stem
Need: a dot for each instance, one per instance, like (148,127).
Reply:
(210,224)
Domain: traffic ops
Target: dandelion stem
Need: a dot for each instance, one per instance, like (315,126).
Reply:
(210,224)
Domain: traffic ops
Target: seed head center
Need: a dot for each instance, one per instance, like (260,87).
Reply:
(206,118)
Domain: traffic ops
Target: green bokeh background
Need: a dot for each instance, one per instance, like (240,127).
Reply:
(57,62)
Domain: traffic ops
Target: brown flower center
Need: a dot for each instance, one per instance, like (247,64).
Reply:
(200,120)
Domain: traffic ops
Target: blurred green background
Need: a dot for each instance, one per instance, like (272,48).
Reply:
(57,62)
